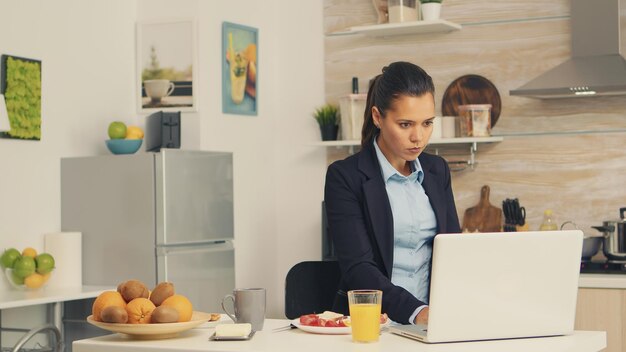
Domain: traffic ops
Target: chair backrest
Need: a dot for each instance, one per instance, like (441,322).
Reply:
(310,287)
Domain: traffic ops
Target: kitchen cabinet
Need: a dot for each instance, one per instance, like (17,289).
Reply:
(602,306)
(404,28)
(434,146)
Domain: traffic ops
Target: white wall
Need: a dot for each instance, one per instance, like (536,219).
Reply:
(87,50)
(88,54)
(86,83)
(278,178)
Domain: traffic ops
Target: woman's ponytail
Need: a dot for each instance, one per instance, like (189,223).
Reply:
(369,129)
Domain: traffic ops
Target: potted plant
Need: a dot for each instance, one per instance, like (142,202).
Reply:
(328,117)
(430,9)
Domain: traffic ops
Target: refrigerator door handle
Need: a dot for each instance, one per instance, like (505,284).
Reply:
(213,247)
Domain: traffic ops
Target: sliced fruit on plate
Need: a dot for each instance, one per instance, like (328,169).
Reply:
(331,319)
(327,319)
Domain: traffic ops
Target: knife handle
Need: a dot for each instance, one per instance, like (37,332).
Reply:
(522,227)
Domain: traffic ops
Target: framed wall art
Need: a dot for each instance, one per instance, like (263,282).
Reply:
(240,69)
(20,87)
(166,65)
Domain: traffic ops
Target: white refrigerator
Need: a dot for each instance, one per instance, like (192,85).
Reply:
(165,216)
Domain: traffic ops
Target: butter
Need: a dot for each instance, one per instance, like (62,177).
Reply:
(237,330)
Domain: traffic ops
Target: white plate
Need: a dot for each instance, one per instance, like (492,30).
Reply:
(327,330)
(153,331)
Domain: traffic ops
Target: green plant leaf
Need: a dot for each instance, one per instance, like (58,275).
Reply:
(327,114)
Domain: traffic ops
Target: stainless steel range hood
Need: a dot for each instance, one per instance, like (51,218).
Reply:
(596,66)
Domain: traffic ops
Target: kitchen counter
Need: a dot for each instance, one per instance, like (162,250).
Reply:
(297,340)
(17,298)
(52,297)
(617,281)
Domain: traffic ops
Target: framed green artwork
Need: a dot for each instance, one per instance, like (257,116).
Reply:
(20,83)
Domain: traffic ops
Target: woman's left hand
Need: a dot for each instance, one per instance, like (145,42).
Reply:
(422,317)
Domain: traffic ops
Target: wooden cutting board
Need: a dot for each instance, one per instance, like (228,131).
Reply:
(483,217)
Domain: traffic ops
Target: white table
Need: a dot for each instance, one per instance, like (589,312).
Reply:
(296,340)
(52,297)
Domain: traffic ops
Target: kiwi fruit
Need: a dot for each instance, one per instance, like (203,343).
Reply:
(162,291)
(164,314)
(114,314)
(132,289)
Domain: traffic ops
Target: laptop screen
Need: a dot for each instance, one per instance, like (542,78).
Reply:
(504,285)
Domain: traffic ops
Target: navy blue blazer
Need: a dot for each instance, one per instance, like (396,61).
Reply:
(360,224)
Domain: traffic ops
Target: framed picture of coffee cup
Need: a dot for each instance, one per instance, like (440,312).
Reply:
(240,69)
(166,65)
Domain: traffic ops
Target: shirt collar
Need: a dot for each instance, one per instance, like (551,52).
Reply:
(389,171)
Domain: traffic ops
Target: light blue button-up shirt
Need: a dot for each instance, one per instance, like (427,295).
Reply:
(414,228)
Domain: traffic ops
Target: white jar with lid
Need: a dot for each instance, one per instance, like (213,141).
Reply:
(402,11)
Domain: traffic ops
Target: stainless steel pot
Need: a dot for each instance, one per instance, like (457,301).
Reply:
(614,231)
(591,244)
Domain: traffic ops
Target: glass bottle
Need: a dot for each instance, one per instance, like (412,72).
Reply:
(548,223)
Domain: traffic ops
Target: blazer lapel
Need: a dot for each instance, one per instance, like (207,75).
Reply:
(434,193)
(378,207)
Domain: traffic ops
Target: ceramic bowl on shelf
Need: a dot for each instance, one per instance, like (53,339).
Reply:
(123,146)
(31,282)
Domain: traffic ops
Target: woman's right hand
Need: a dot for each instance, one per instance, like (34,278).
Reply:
(422,317)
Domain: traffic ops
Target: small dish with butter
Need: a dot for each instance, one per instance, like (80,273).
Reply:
(232,332)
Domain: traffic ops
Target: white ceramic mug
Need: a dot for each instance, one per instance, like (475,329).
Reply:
(249,304)
(437,128)
(158,88)
(448,126)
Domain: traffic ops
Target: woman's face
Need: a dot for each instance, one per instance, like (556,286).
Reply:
(406,128)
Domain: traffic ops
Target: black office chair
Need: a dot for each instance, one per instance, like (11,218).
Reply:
(310,287)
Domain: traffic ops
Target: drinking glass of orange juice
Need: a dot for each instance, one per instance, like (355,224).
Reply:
(365,307)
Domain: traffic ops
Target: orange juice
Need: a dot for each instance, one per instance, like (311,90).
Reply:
(365,321)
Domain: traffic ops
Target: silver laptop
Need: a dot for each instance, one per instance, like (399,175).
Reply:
(501,285)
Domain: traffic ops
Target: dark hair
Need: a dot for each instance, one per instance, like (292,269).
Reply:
(398,79)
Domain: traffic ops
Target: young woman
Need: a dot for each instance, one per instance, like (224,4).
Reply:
(386,203)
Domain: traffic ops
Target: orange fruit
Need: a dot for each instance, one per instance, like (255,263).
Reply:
(182,305)
(250,52)
(140,310)
(29,252)
(106,299)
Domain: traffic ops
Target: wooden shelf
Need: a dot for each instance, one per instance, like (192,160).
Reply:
(471,141)
(438,141)
(415,27)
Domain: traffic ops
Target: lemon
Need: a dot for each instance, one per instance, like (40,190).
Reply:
(34,280)
(29,252)
(46,277)
(134,132)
